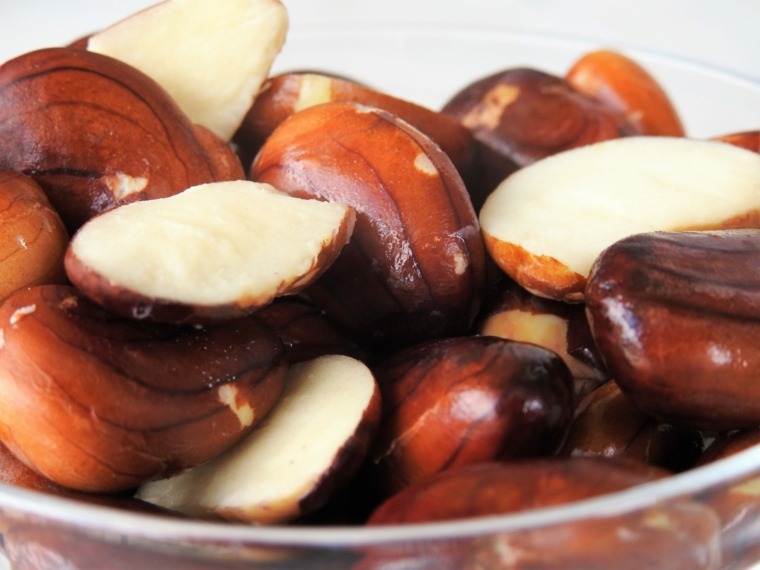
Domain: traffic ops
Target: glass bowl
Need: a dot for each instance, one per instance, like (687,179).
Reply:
(708,517)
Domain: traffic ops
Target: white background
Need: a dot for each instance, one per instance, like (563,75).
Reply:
(718,35)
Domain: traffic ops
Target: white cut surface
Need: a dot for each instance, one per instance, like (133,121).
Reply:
(547,330)
(235,242)
(572,205)
(265,475)
(314,89)
(212,56)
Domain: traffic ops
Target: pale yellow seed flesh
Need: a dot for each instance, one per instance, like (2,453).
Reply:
(263,477)
(573,205)
(213,244)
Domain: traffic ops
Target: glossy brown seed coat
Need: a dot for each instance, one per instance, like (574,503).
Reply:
(608,424)
(745,139)
(685,533)
(624,85)
(519,315)
(415,265)
(676,316)
(288,93)
(33,239)
(99,403)
(525,114)
(466,400)
(307,332)
(95,133)
(510,487)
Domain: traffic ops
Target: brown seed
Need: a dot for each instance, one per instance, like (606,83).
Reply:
(96,133)
(97,403)
(33,239)
(676,316)
(466,400)
(415,265)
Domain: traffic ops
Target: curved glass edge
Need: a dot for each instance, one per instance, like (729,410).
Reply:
(712,478)
(484,34)
(715,477)
(429,64)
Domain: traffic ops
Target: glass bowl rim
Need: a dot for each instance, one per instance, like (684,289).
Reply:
(682,486)
(686,486)
(506,34)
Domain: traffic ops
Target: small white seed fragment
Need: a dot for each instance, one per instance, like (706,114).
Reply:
(22,312)
(228,397)
(423,164)
(123,185)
